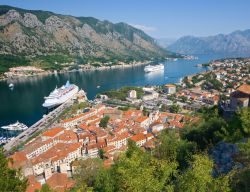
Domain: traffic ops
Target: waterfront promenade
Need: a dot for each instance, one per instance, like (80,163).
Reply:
(40,125)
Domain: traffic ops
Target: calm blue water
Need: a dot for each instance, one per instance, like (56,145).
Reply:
(24,103)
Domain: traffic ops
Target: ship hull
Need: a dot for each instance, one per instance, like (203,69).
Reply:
(15,127)
(51,103)
(149,69)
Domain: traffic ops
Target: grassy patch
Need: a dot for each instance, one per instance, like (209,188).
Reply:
(67,113)
(122,93)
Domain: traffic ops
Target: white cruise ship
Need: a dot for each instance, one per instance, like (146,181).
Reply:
(60,95)
(151,68)
(15,127)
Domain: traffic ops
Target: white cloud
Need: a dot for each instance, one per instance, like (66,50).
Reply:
(146,29)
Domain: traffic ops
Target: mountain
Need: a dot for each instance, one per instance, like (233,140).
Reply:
(236,43)
(43,38)
(165,42)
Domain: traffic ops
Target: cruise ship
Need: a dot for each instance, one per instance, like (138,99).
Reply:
(152,68)
(60,95)
(15,127)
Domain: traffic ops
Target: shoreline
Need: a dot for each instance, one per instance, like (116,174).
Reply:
(86,68)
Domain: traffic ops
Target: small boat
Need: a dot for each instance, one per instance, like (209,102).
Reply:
(98,86)
(11,85)
(15,127)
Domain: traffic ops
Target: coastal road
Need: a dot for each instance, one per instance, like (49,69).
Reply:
(40,125)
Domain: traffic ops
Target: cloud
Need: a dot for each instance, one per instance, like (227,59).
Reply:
(146,29)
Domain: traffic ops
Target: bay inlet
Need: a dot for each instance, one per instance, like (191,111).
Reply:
(24,102)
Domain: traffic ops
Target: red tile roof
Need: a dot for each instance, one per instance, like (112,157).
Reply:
(33,185)
(169,85)
(138,137)
(141,119)
(68,135)
(59,151)
(244,88)
(19,159)
(52,132)
(59,182)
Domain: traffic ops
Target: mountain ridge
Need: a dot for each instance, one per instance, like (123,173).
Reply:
(35,34)
(237,42)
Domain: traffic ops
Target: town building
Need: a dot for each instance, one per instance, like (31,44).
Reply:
(241,97)
(132,94)
(169,89)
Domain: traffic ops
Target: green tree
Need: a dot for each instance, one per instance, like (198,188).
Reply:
(10,179)
(164,107)
(244,118)
(174,108)
(239,125)
(137,171)
(86,173)
(183,99)
(170,147)
(104,121)
(199,177)
(145,112)
(206,133)
(101,153)
(239,178)
(46,188)
(104,181)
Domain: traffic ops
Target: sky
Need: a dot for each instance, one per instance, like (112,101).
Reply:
(158,18)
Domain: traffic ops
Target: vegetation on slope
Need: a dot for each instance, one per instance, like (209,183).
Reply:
(10,179)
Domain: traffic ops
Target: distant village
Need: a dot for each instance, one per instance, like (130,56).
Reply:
(103,129)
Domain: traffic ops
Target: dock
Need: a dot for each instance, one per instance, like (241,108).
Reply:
(40,125)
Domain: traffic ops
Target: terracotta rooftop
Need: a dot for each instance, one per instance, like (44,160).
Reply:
(19,159)
(109,149)
(141,119)
(59,151)
(78,116)
(59,182)
(244,88)
(169,85)
(92,146)
(68,135)
(122,136)
(148,135)
(138,137)
(52,132)
(150,144)
(33,185)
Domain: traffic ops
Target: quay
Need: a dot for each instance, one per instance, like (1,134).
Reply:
(40,125)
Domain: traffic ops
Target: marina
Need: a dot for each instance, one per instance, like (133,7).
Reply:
(40,125)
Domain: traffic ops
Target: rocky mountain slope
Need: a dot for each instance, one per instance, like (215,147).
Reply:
(236,43)
(45,37)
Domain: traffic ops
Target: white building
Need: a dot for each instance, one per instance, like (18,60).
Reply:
(169,88)
(150,96)
(132,94)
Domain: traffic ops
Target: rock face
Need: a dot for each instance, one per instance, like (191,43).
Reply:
(222,155)
(32,33)
(236,43)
